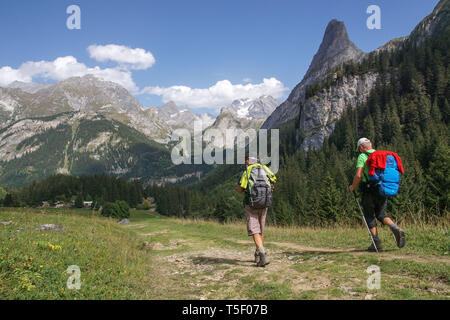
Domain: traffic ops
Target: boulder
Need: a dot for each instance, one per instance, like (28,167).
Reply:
(50,227)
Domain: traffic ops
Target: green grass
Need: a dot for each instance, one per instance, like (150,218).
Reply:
(156,257)
(107,255)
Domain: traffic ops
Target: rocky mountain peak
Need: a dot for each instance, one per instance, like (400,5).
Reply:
(335,48)
(170,107)
(30,87)
(334,34)
(256,108)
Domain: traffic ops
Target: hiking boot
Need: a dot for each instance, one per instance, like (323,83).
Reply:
(257,258)
(377,241)
(399,236)
(263,259)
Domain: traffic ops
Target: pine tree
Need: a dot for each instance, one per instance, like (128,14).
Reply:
(438,177)
(331,201)
(79,201)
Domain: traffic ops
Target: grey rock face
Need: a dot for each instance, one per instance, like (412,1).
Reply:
(176,118)
(335,49)
(433,24)
(321,111)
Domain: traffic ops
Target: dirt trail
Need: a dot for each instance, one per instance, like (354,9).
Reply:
(193,270)
(213,266)
(386,255)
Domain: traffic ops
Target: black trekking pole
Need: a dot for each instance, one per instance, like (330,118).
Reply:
(362,214)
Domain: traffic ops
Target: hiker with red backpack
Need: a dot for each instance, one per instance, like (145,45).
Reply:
(379,174)
(258,183)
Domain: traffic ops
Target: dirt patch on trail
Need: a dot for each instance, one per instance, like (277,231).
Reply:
(383,255)
(231,270)
(153,233)
(136,225)
(173,245)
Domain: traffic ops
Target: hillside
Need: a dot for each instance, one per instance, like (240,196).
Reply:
(154,257)
(64,143)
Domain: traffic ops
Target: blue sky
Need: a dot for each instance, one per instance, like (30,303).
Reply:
(196,44)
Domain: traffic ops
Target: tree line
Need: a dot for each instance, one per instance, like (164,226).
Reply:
(100,189)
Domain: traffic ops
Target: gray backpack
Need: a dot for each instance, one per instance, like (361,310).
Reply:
(260,190)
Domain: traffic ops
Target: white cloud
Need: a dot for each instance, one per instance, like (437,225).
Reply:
(221,94)
(137,59)
(8,75)
(62,68)
(247,80)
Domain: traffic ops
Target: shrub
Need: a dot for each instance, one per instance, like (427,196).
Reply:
(123,208)
(110,210)
(119,209)
(144,206)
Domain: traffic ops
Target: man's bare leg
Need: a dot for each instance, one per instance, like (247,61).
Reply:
(259,240)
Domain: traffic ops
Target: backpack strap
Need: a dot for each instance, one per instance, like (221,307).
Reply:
(248,181)
(364,173)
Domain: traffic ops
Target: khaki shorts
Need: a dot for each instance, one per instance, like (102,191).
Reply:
(256,220)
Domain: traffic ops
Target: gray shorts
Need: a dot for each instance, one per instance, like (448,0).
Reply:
(256,220)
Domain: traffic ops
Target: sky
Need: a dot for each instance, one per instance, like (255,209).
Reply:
(199,53)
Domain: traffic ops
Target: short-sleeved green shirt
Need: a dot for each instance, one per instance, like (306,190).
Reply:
(361,163)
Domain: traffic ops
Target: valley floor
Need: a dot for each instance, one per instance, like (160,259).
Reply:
(155,257)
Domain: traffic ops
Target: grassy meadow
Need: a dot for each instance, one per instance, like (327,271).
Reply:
(155,257)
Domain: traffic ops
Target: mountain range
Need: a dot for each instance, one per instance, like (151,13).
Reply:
(88,125)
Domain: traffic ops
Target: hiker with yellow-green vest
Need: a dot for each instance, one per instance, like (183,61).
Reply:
(257,181)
